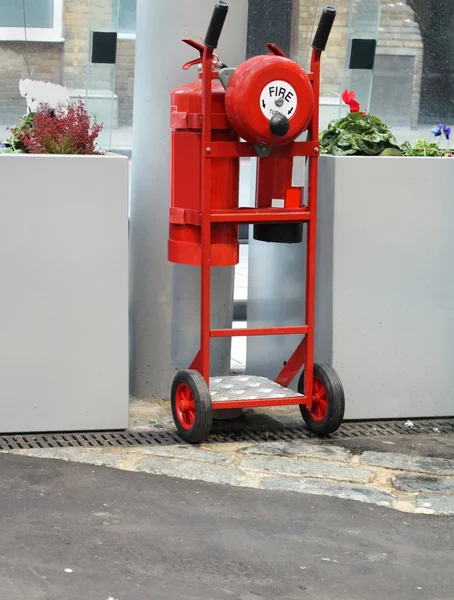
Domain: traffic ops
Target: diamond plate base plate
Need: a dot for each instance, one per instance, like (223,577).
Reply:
(247,387)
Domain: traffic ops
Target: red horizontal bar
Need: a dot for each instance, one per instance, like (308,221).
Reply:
(243,149)
(249,332)
(257,402)
(230,150)
(260,215)
(306,149)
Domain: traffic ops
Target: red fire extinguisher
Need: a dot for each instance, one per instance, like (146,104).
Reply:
(186,167)
(267,101)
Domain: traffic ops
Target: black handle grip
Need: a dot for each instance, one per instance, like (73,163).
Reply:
(324,28)
(216,24)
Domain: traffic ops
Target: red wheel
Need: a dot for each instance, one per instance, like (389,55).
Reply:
(185,406)
(328,401)
(191,406)
(319,401)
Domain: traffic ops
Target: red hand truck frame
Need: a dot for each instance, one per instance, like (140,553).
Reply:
(320,393)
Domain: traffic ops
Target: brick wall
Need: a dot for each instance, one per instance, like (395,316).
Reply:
(333,59)
(76,23)
(80,17)
(124,85)
(66,63)
(45,62)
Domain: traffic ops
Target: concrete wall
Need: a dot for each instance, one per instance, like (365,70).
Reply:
(165,298)
(436,21)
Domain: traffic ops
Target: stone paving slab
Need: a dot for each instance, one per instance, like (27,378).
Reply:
(436,504)
(311,468)
(186,453)
(301,450)
(423,483)
(328,488)
(415,464)
(186,469)
(303,467)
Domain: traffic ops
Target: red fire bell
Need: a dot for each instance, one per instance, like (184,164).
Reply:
(270,102)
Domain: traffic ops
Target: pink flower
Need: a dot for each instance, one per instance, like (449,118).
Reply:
(349,99)
(67,131)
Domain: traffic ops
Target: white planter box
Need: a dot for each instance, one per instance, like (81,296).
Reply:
(64,298)
(385,285)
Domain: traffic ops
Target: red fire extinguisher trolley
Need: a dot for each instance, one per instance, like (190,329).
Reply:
(258,109)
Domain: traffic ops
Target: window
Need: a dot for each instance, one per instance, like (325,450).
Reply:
(40,20)
(127,17)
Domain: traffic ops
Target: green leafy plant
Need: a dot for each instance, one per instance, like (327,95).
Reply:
(422,147)
(14,142)
(358,134)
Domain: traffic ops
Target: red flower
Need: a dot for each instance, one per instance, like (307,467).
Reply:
(349,99)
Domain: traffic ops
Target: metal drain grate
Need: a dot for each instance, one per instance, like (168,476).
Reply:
(365,429)
(224,433)
(89,440)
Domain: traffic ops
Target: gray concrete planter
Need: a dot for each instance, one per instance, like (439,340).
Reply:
(385,285)
(64,299)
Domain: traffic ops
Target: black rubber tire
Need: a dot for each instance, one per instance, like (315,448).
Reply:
(203,421)
(336,402)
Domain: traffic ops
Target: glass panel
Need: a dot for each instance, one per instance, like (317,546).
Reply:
(396,88)
(127,16)
(100,98)
(413,85)
(360,49)
(38,13)
(333,62)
